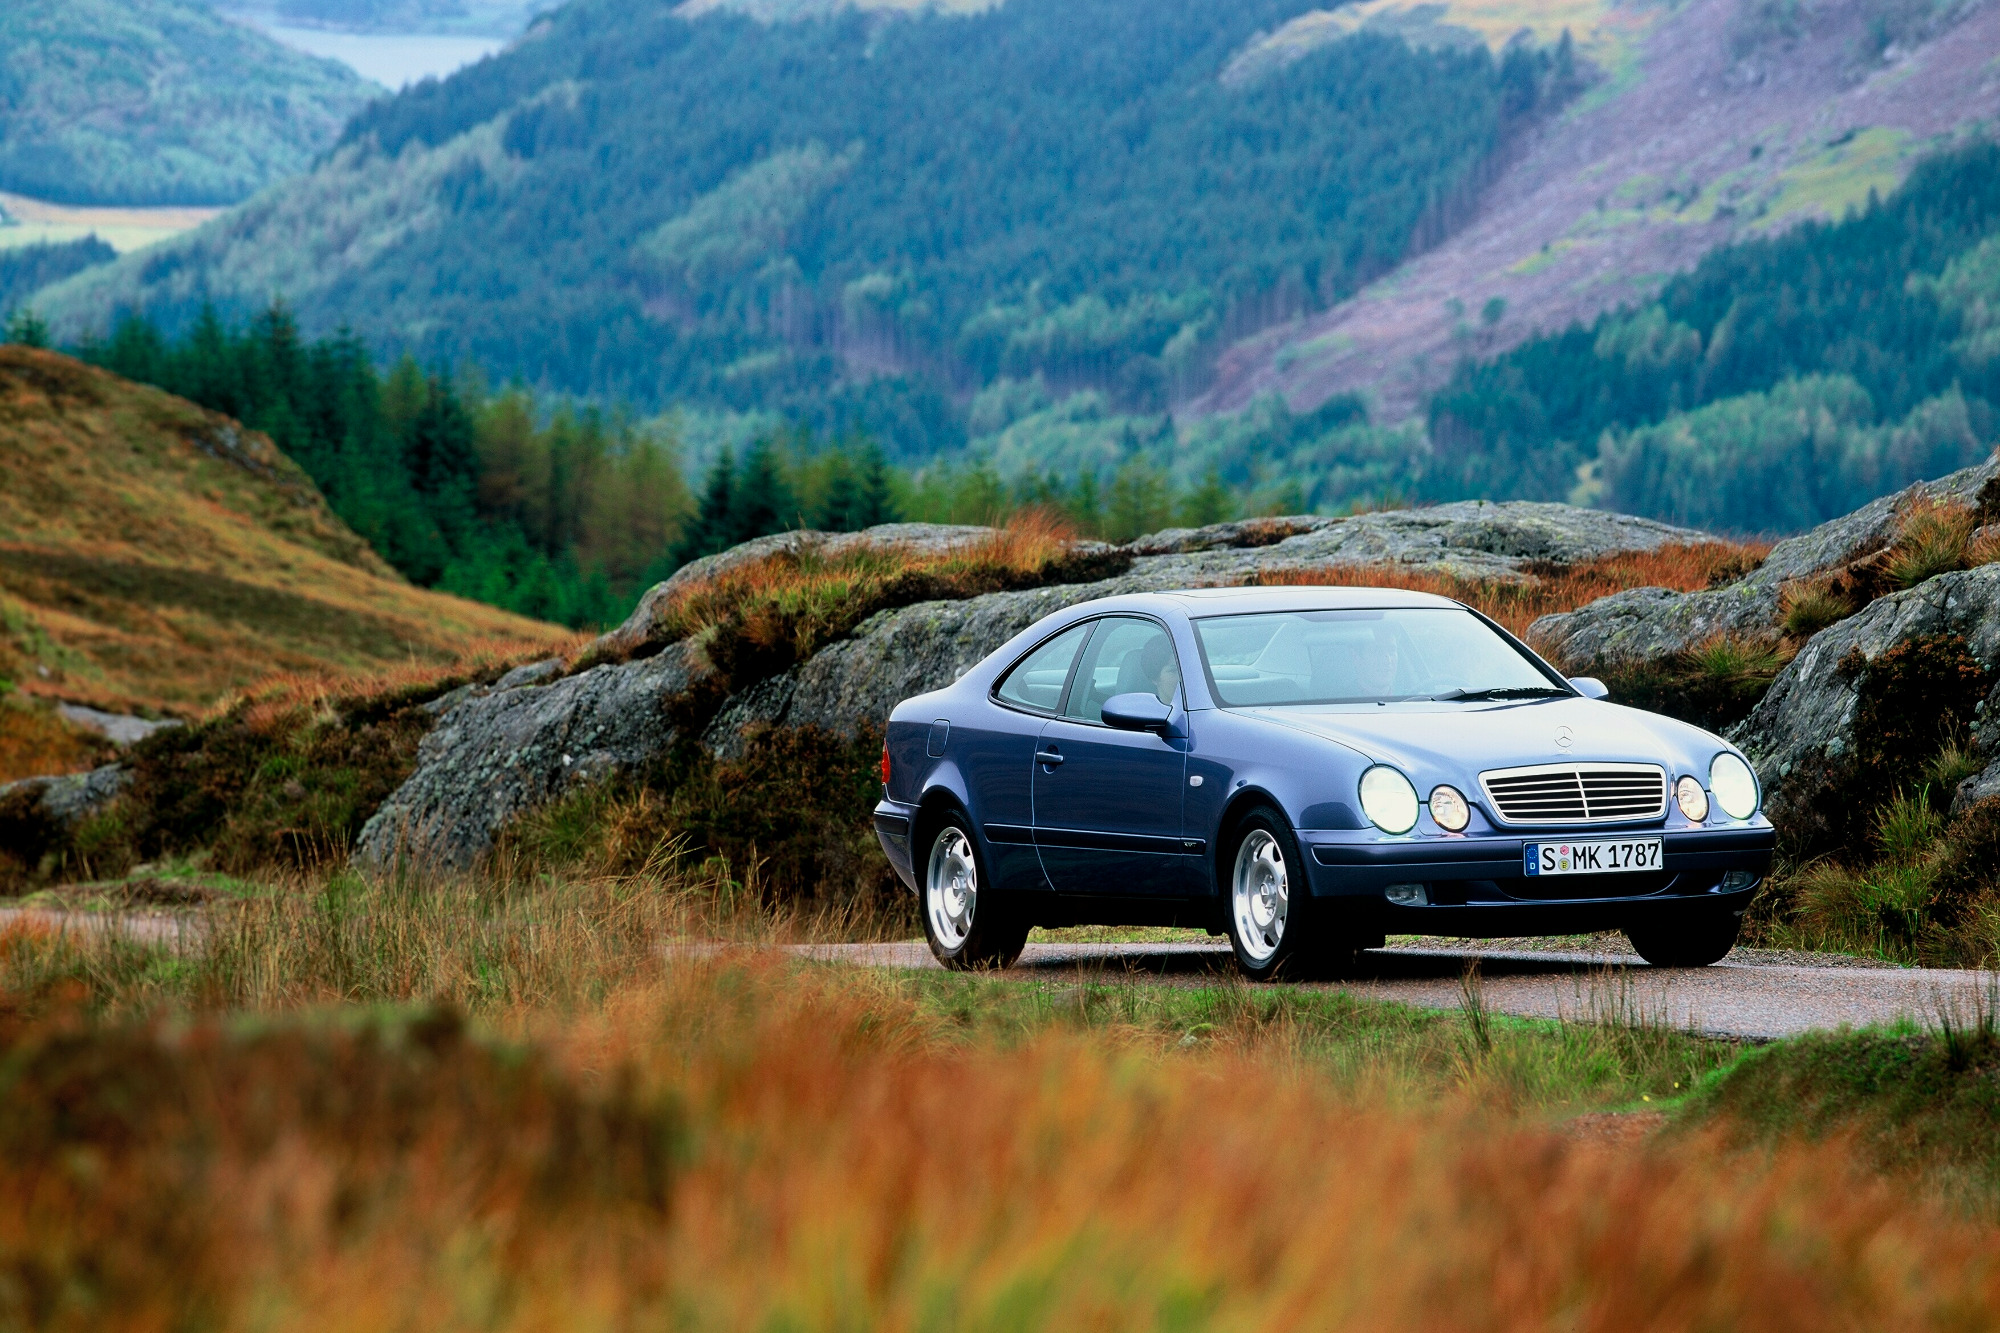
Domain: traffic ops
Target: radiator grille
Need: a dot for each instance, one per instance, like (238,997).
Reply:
(1577,793)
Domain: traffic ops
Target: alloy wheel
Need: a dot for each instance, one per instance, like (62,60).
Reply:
(951,887)
(1260,895)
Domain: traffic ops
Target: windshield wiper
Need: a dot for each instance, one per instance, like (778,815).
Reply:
(1504,692)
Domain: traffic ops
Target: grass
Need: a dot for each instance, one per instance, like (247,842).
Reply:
(155,558)
(1908,1101)
(505,1105)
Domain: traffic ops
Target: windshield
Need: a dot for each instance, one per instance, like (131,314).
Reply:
(1345,657)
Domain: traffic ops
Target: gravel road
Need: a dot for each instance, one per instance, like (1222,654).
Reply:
(1753,994)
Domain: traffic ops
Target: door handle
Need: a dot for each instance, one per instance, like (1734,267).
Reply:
(1048,757)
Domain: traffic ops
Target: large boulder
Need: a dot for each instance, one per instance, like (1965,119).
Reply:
(639,629)
(1802,735)
(497,754)
(1647,625)
(66,800)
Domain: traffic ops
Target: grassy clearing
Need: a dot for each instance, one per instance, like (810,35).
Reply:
(501,1106)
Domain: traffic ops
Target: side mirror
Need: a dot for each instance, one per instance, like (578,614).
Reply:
(1136,712)
(1590,687)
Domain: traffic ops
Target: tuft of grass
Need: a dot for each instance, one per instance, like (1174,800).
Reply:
(1956,761)
(1812,605)
(1713,684)
(1936,537)
(1907,828)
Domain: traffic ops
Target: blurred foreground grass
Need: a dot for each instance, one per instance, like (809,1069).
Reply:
(594,1103)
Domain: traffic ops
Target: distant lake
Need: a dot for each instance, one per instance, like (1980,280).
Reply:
(394,60)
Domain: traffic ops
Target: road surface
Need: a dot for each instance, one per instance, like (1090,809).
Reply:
(1752,994)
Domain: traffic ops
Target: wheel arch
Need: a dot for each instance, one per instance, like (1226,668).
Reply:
(938,800)
(1240,803)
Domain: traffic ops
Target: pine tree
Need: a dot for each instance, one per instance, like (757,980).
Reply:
(874,503)
(1210,502)
(710,530)
(25,328)
(763,502)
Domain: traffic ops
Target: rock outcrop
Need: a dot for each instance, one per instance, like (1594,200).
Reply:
(500,751)
(1652,624)
(1802,735)
(65,801)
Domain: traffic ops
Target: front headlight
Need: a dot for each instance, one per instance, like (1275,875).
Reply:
(1734,785)
(1692,800)
(1388,799)
(1449,809)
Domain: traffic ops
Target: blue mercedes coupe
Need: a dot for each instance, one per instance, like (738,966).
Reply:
(1307,770)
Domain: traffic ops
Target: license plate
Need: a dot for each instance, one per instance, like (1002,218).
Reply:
(1591,858)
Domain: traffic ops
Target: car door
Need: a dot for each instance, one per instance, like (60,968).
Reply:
(1108,802)
(995,751)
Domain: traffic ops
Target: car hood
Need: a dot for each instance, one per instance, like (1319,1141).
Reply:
(1438,741)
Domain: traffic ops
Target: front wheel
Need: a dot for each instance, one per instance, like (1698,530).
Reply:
(1269,912)
(1694,940)
(967,929)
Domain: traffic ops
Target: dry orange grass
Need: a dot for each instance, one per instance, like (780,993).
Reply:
(767,613)
(1547,589)
(35,740)
(155,555)
(748,1145)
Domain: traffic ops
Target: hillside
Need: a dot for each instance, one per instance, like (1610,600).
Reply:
(853,216)
(157,102)
(1723,120)
(155,557)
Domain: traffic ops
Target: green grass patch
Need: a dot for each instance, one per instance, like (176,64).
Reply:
(1920,1102)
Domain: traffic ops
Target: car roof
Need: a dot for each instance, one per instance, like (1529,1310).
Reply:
(1198,602)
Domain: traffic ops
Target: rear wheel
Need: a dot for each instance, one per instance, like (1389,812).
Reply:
(1695,939)
(966,926)
(1272,920)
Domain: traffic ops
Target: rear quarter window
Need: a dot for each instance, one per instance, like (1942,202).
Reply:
(1036,681)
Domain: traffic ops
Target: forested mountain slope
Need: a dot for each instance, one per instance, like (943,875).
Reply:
(858,215)
(154,556)
(157,102)
(1723,120)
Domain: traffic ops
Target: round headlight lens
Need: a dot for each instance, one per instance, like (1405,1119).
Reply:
(1734,785)
(1388,799)
(1692,800)
(1449,809)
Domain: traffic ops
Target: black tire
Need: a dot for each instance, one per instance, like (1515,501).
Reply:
(1694,939)
(1281,932)
(967,931)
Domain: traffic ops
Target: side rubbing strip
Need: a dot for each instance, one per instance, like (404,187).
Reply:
(1009,833)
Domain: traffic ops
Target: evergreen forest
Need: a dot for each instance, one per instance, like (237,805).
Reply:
(855,221)
(1779,383)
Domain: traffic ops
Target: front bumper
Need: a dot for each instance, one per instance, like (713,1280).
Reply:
(1475,886)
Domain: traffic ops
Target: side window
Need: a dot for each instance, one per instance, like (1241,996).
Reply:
(1127,656)
(1037,680)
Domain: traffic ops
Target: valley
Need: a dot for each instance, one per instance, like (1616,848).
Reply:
(462,540)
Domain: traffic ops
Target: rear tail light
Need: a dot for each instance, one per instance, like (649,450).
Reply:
(885,767)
